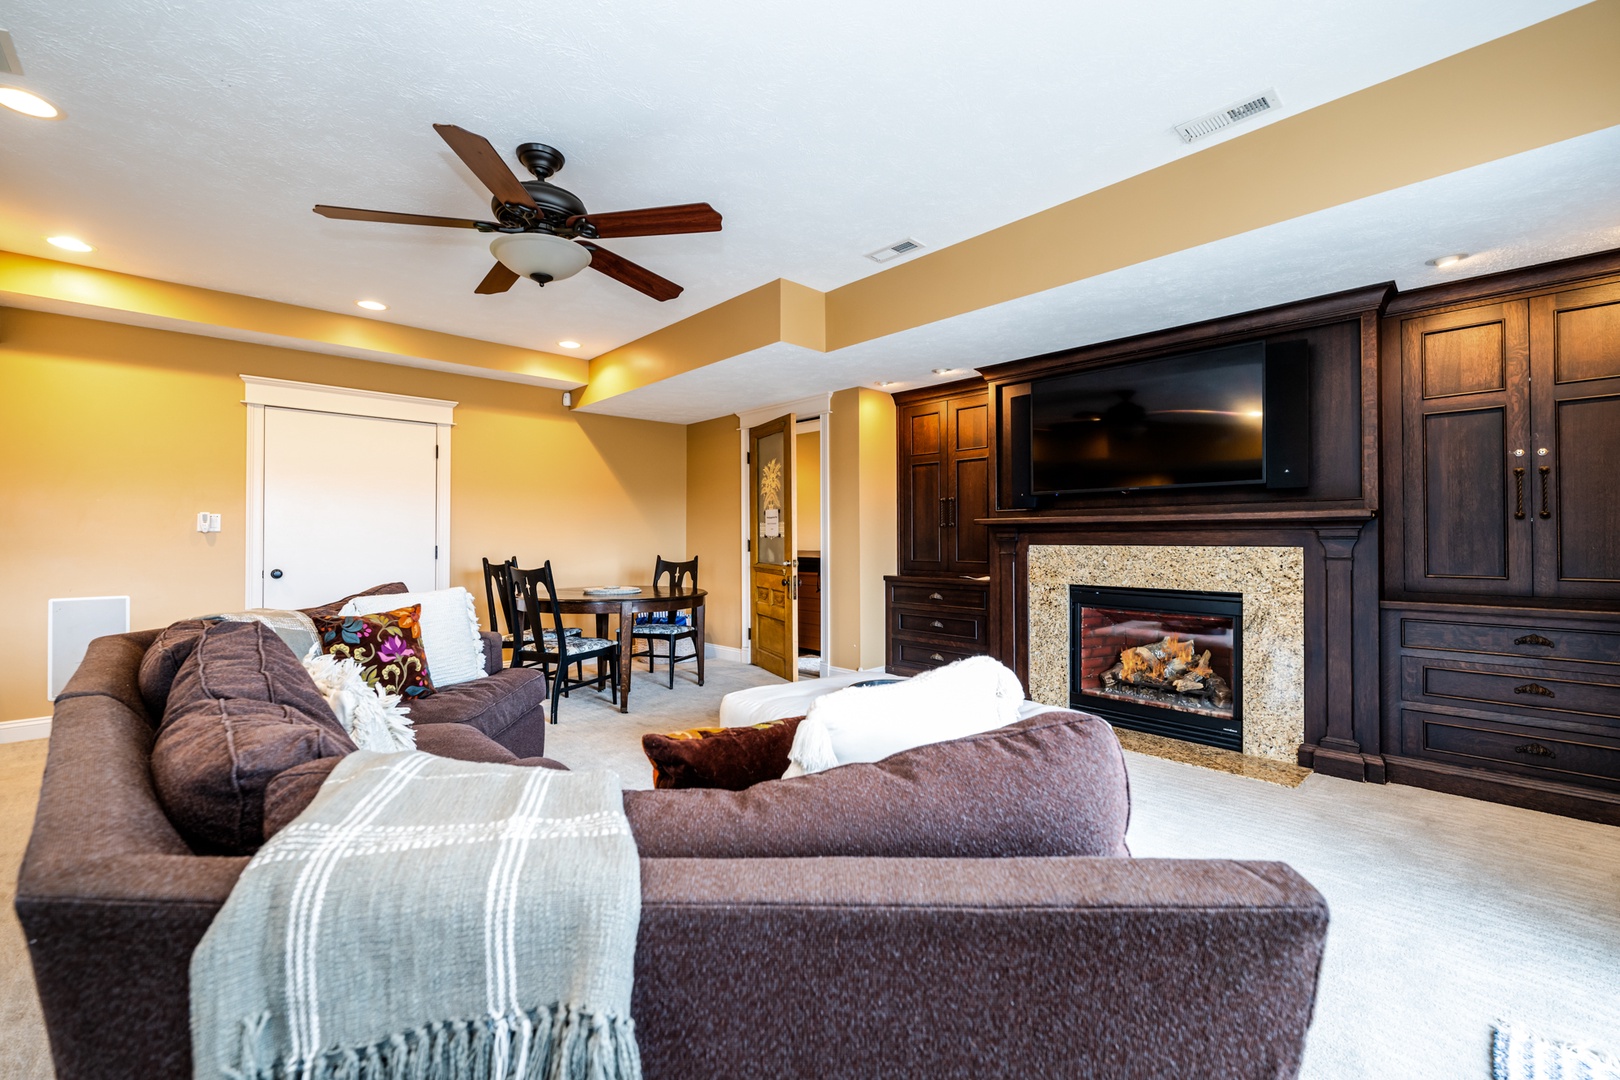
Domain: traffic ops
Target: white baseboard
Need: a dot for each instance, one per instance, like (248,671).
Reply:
(38,727)
(725,652)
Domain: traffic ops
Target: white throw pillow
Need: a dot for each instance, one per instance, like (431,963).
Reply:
(449,625)
(868,723)
(374,718)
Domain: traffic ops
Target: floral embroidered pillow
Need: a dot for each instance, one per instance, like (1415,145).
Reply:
(386,645)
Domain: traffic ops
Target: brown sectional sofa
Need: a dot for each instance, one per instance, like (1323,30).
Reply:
(963,910)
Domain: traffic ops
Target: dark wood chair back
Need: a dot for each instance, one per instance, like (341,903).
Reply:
(682,575)
(538,591)
(499,596)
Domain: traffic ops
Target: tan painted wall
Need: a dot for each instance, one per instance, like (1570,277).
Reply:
(112,438)
(861,529)
(714,523)
(807,503)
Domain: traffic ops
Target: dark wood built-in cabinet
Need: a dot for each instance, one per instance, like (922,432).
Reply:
(944,479)
(1501,659)
(1461,529)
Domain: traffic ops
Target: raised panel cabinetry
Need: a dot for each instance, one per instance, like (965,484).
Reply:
(938,603)
(1501,635)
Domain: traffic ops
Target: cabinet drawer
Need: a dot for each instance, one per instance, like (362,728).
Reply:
(972,597)
(926,624)
(924,657)
(1509,639)
(1556,755)
(1586,695)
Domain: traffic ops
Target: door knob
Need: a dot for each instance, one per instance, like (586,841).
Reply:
(275,573)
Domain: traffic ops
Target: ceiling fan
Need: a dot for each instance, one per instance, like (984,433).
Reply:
(546,232)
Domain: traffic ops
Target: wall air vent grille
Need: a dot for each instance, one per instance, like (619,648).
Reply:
(894,250)
(1194,130)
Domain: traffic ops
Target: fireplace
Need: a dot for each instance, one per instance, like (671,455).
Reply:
(1164,661)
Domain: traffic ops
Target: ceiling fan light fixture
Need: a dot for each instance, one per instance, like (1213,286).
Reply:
(540,256)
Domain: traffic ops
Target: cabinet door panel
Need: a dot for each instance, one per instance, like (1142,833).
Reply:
(972,548)
(923,512)
(922,430)
(1466,431)
(1575,404)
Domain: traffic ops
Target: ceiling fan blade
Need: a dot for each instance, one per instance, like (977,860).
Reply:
(637,277)
(500,278)
(485,163)
(655,220)
(350,213)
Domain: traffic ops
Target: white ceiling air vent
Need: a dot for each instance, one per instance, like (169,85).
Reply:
(1194,130)
(894,250)
(9,65)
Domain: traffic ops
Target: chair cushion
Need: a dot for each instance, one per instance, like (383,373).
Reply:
(664,629)
(714,757)
(492,705)
(551,635)
(587,644)
(1054,784)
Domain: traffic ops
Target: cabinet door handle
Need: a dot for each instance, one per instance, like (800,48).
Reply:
(944,512)
(1533,639)
(1545,511)
(1534,688)
(1534,749)
(1518,494)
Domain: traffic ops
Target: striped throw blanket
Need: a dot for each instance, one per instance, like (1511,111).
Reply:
(429,918)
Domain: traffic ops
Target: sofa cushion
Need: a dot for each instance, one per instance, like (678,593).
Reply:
(386,644)
(392,588)
(1053,784)
(162,662)
(732,758)
(214,759)
(247,661)
(492,704)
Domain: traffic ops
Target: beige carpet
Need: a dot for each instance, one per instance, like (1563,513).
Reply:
(1447,913)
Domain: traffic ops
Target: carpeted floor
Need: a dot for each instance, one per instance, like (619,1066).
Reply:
(1447,914)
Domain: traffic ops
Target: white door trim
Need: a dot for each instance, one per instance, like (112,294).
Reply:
(260,393)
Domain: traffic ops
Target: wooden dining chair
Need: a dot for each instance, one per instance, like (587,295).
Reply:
(498,596)
(669,625)
(535,594)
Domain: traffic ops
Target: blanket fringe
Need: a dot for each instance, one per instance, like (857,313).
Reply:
(555,1043)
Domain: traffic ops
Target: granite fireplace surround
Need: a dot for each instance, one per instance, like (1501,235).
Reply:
(1271,581)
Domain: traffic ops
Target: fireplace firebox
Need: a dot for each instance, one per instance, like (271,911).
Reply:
(1162,661)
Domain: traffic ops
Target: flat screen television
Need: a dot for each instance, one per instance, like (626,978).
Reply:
(1231,416)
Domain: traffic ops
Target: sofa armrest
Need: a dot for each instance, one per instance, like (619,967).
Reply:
(1093,967)
(492,651)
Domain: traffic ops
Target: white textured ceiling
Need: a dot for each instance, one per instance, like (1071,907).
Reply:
(1552,203)
(199,133)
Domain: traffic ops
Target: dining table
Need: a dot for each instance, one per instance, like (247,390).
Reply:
(596,600)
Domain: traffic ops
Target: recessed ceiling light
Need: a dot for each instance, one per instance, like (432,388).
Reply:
(568,344)
(884,382)
(946,370)
(372,305)
(19,100)
(69,243)
(1447,260)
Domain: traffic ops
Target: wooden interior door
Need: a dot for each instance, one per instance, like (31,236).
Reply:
(1469,472)
(773,625)
(1575,405)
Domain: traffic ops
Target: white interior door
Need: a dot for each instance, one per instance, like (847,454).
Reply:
(349,502)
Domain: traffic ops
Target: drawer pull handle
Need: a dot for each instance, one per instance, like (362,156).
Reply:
(938,625)
(1534,688)
(936,656)
(1533,639)
(935,596)
(1535,749)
